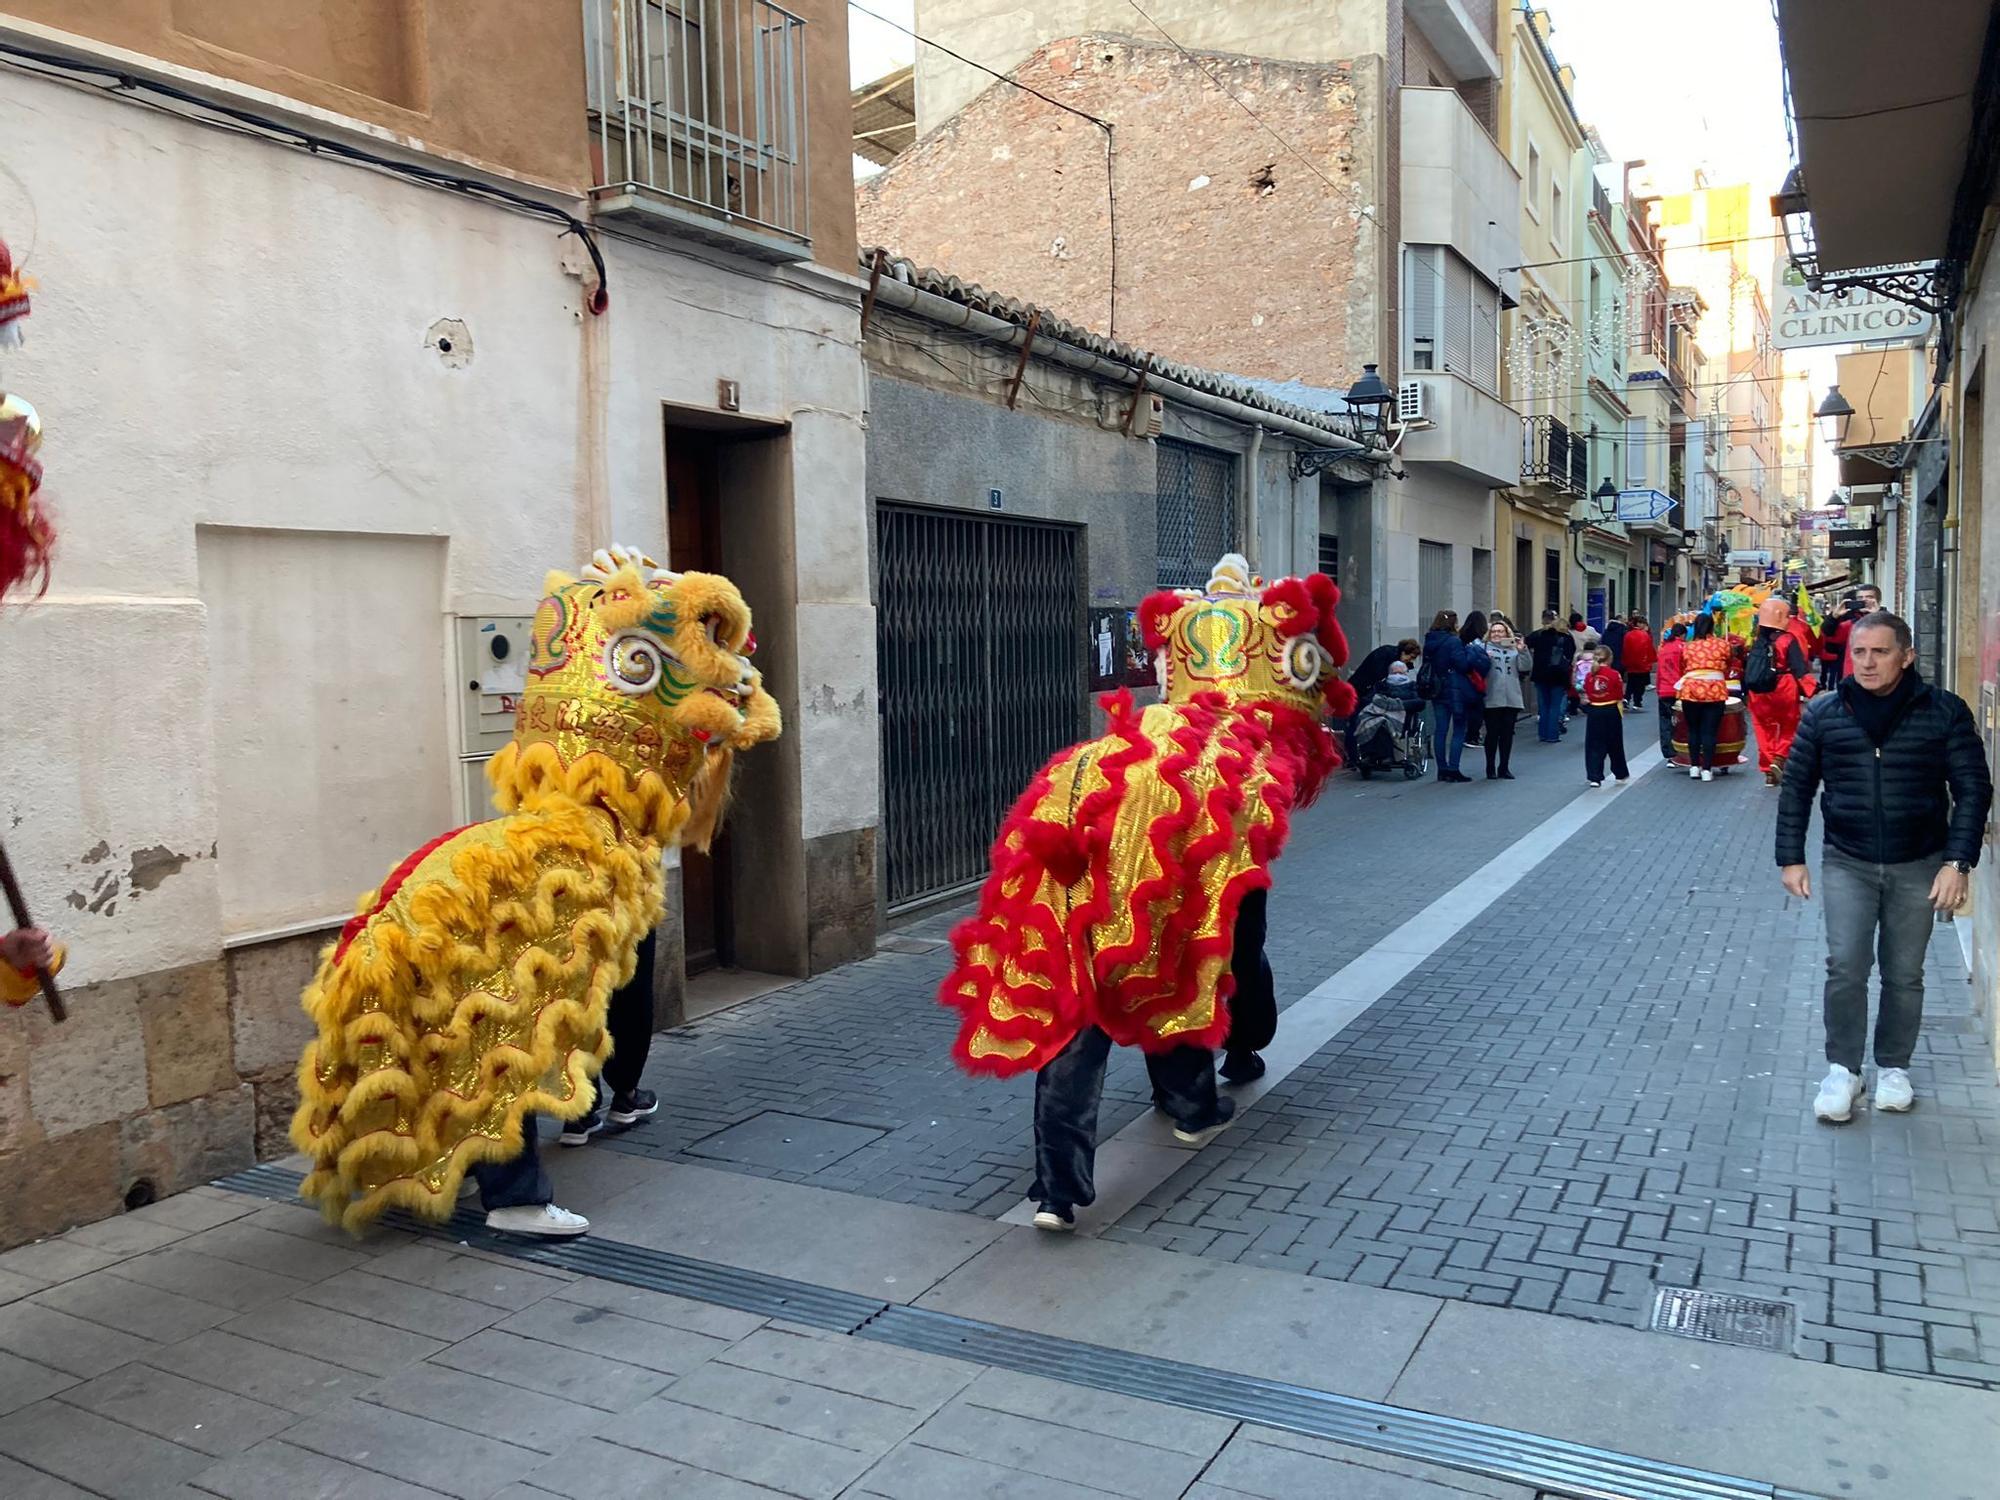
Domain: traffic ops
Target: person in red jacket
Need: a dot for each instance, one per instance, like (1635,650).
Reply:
(1604,720)
(1673,654)
(1637,656)
(1775,708)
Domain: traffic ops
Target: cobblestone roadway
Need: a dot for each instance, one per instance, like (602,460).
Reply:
(1605,1084)
(1601,1083)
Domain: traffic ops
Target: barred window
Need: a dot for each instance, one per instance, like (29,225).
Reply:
(1196,511)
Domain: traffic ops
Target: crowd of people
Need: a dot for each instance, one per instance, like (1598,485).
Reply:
(1475,679)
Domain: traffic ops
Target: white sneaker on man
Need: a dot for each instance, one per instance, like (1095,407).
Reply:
(1893,1091)
(543,1220)
(1708,775)
(1837,1092)
(1694,773)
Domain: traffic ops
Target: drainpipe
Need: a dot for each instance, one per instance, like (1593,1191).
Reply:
(948,314)
(1253,542)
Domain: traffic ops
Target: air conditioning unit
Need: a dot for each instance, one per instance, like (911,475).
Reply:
(1113,406)
(1412,402)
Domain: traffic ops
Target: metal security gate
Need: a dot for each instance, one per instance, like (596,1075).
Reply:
(1195,511)
(981,639)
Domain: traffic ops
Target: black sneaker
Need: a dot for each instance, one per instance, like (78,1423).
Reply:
(1201,1134)
(579,1131)
(1057,1218)
(630,1109)
(1241,1067)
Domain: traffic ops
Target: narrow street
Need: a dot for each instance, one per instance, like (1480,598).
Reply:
(1595,1085)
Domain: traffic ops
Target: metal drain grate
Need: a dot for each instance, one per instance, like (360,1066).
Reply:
(1551,1466)
(1722,1318)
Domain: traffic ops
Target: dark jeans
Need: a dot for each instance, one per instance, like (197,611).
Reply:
(1551,706)
(1253,1007)
(1500,737)
(1635,687)
(629,1019)
(1604,734)
(1067,1092)
(1704,724)
(1448,730)
(1875,911)
(1666,727)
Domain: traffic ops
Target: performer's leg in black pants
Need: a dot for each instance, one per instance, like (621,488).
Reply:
(620,1101)
(1253,1008)
(1068,1090)
(1500,726)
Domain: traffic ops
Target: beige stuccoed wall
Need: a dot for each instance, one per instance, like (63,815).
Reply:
(1001,33)
(229,340)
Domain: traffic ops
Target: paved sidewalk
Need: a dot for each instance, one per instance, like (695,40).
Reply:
(1604,1086)
(215,1346)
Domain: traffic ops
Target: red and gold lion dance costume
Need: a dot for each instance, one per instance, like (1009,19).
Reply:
(1118,874)
(470,991)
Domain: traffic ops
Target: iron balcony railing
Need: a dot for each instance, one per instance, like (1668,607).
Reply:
(701,106)
(1601,201)
(1553,455)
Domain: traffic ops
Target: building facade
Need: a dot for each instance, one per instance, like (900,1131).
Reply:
(1029,483)
(1897,199)
(1378,238)
(316,427)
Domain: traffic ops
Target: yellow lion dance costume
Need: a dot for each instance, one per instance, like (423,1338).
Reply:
(470,991)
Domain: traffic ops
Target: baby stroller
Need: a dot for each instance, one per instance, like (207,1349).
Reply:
(1389,735)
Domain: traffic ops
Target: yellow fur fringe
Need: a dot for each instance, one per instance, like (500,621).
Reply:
(528,922)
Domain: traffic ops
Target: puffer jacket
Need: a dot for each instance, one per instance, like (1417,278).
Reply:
(1672,654)
(1636,654)
(1925,791)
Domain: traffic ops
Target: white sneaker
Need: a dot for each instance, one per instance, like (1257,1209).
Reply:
(543,1220)
(1837,1093)
(1708,775)
(1694,773)
(1893,1091)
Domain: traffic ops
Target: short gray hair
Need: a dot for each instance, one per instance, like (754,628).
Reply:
(1883,620)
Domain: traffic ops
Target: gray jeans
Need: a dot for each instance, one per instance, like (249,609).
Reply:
(1863,900)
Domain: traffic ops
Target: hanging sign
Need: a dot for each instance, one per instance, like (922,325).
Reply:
(1643,505)
(1805,319)
(1851,542)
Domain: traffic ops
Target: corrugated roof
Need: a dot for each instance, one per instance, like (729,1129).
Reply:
(885,116)
(1272,396)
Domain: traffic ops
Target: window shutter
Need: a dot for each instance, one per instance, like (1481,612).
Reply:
(1455,336)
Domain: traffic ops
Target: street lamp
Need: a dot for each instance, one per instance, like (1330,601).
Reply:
(1369,398)
(1835,414)
(1606,496)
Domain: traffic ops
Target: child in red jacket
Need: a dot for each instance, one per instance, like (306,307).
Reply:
(1604,719)
(1638,657)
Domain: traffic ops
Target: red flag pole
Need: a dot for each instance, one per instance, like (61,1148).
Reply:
(20,909)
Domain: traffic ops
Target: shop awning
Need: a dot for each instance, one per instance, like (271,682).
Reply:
(1882,96)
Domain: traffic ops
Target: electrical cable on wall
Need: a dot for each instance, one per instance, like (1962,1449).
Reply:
(248,122)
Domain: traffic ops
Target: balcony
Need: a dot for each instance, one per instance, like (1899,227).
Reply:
(1600,201)
(1472,432)
(1554,456)
(698,121)
(1459,189)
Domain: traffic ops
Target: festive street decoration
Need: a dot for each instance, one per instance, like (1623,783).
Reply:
(1118,874)
(470,991)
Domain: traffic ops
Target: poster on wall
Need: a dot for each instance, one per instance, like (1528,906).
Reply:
(1117,651)
(1140,667)
(1107,649)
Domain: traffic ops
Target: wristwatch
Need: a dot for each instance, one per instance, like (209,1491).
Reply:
(1963,866)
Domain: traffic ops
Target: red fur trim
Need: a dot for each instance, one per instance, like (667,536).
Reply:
(1155,611)
(1291,594)
(357,923)
(25,548)
(1340,699)
(1326,596)
(1064,851)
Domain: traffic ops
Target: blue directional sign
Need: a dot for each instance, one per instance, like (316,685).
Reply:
(1644,505)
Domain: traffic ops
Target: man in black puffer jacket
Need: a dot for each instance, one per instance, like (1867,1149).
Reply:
(1905,798)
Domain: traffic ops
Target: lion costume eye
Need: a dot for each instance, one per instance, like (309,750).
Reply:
(634,662)
(1303,662)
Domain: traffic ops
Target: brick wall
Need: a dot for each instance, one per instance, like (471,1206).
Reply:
(1231,253)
